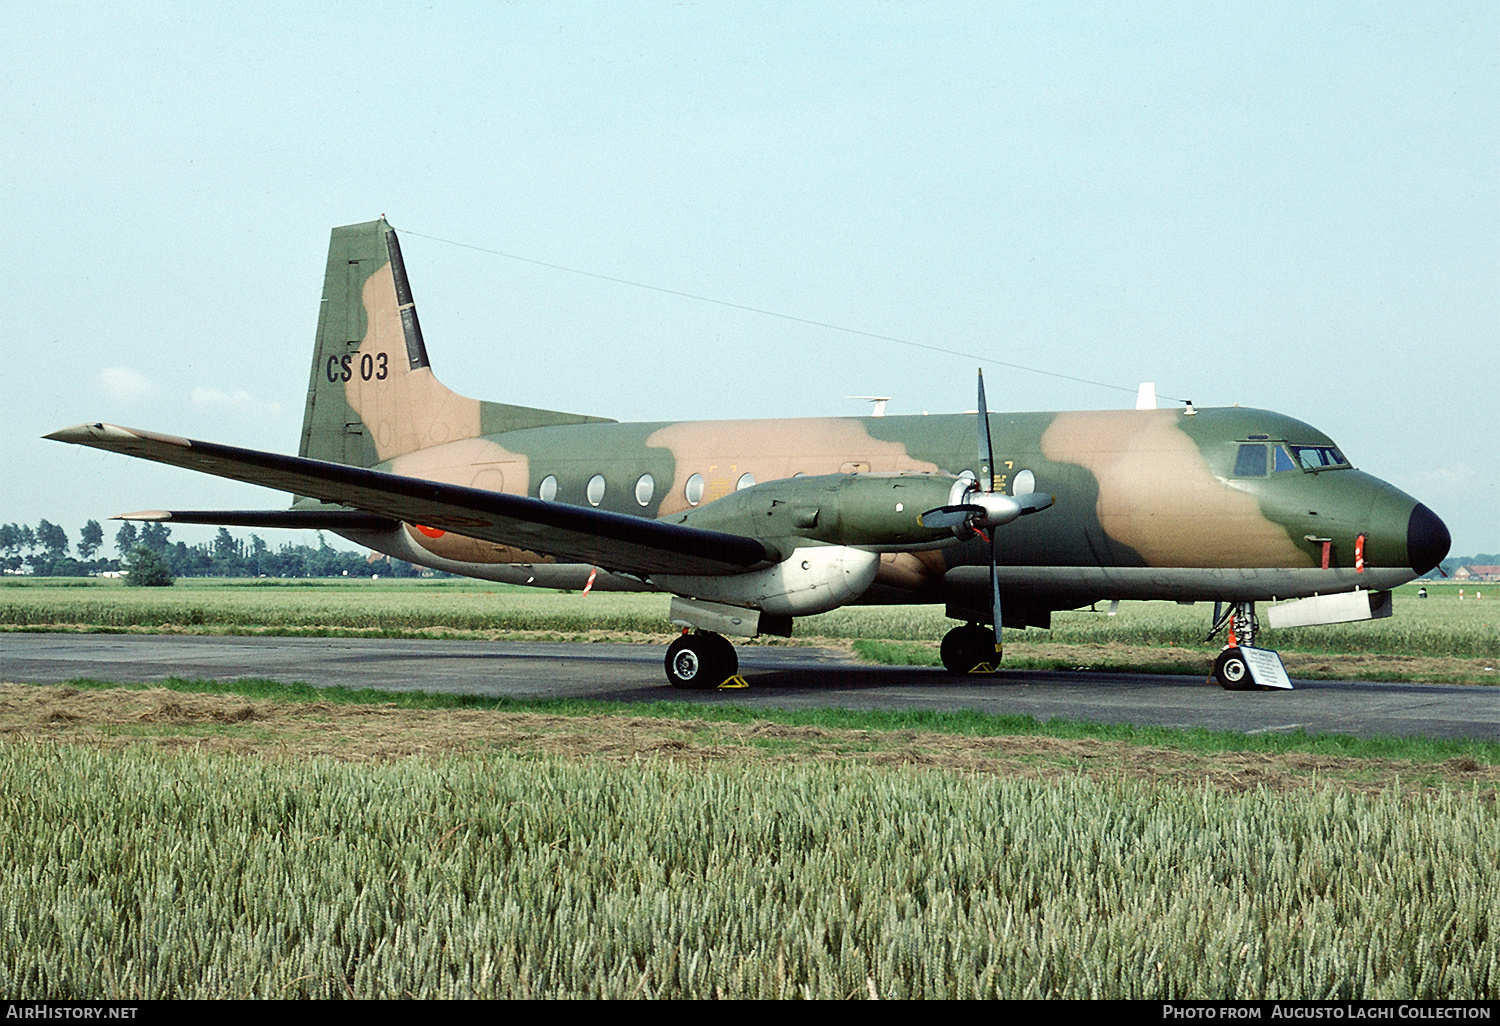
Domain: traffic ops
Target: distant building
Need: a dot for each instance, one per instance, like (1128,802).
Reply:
(1476,573)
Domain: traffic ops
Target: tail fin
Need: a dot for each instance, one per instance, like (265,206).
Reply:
(372,396)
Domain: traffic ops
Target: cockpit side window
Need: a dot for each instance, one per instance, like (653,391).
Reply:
(1284,459)
(1251,462)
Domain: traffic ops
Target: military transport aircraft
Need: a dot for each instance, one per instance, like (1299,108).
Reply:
(752,523)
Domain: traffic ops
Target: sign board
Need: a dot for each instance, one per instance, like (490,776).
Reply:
(1265,668)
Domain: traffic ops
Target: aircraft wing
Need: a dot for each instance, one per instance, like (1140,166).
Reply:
(573,534)
(303,519)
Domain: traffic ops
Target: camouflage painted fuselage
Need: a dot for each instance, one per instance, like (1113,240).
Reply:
(1148,504)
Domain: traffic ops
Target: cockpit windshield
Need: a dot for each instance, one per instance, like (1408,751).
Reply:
(1257,459)
(1318,457)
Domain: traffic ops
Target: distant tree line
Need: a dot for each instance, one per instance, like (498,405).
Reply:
(43,552)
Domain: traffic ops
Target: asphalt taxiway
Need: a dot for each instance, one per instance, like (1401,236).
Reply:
(784,677)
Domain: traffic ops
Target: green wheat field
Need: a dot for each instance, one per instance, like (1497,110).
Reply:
(149,875)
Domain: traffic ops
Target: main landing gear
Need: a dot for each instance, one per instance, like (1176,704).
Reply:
(971,649)
(701,661)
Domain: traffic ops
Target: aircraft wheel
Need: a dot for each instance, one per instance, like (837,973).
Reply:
(700,661)
(1231,672)
(967,647)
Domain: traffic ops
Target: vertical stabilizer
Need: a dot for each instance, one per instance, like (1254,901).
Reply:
(371,395)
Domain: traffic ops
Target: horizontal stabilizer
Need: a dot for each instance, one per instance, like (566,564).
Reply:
(573,534)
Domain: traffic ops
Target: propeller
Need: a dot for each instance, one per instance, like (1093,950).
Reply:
(976,506)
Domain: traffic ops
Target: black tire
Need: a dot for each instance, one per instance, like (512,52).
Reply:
(1231,672)
(967,647)
(700,662)
(725,659)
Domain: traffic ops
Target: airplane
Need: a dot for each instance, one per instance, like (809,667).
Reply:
(749,524)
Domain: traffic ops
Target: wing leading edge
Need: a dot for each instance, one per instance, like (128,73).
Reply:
(574,534)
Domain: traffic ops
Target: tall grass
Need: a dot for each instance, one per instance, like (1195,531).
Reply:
(1438,626)
(352,607)
(134,874)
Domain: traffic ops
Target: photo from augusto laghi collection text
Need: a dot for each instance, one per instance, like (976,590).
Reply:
(1481,1010)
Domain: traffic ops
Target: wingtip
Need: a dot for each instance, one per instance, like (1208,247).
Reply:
(145,514)
(76,433)
(105,435)
(94,432)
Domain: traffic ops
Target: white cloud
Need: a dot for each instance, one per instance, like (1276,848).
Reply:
(238,401)
(125,385)
(1446,482)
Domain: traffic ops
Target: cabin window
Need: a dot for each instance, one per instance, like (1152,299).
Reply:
(1024,483)
(693,490)
(595,490)
(547,490)
(644,489)
(745,481)
(1251,461)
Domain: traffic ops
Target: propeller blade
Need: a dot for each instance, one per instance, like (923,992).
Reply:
(986,451)
(995,597)
(950,516)
(995,512)
(1032,502)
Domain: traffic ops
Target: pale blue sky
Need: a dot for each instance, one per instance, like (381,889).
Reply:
(1288,206)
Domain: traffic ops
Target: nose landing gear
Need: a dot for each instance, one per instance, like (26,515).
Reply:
(1230,670)
(1233,669)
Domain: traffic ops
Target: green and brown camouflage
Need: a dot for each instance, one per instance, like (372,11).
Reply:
(1136,489)
(372,397)
(1234,504)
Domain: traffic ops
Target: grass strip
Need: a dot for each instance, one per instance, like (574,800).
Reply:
(968,723)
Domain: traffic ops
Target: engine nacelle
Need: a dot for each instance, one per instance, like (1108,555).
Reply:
(881,512)
(813,579)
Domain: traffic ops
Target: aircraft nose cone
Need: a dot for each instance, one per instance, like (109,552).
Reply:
(1427,539)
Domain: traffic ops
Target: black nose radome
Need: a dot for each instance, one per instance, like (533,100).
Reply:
(1427,539)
